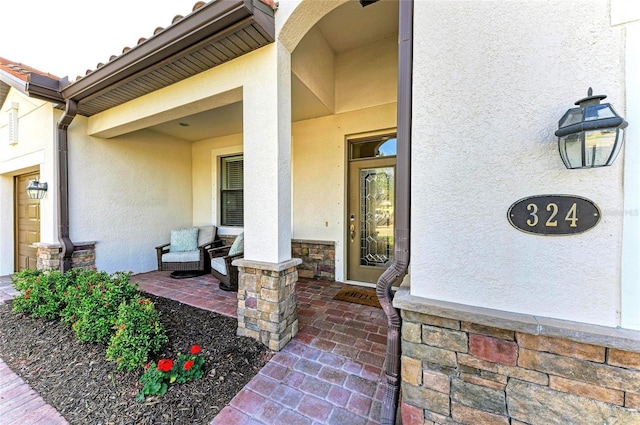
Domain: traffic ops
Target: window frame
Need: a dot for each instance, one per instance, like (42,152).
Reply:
(224,189)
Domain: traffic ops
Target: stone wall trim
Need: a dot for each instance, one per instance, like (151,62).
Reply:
(622,339)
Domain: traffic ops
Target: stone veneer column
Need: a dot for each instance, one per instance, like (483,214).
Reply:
(267,301)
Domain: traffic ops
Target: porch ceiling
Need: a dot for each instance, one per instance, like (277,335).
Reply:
(214,33)
(348,27)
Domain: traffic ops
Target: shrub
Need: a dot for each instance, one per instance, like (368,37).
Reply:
(138,334)
(92,303)
(99,307)
(41,293)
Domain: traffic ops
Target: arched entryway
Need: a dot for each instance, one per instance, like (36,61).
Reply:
(344,92)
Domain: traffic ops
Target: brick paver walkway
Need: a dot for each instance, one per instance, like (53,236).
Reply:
(330,373)
(19,404)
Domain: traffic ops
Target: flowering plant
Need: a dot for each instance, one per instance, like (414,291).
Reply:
(157,378)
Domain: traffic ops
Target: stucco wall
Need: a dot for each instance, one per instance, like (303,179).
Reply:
(319,175)
(631,238)
(33,152)
(127,194)
(314,64)
(206,175)
(367,76)
(491,80)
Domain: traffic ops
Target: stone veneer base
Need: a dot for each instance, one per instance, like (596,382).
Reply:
(267,301)
(470,365)
(318,258)
(48,255)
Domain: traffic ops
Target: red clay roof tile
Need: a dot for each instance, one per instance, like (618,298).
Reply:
(21,71)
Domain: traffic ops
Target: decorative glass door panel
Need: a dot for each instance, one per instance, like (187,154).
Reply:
(370,221)
(376,216)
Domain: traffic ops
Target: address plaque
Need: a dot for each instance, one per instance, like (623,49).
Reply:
(554,215)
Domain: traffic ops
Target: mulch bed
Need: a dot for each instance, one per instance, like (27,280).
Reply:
(85,388)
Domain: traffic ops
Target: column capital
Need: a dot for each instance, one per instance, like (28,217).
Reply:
(261,265)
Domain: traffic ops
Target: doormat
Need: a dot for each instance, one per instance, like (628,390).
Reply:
(362,296)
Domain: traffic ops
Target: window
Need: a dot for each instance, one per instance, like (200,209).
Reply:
(373,147)
(232,191)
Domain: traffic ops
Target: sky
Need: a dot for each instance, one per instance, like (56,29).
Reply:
(67,37)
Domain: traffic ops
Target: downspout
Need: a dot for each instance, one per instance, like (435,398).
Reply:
(402,211)
(63,185)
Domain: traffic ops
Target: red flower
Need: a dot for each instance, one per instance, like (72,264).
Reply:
(188,364)
(195,349)
(165,365)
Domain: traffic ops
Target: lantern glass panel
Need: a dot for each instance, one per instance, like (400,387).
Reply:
(571,150)
(598,146)
(572,116)
(618,145)
(597,112)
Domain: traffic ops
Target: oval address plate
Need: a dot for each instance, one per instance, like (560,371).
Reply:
(554,215)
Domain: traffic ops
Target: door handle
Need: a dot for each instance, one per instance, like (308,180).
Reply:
(352,232)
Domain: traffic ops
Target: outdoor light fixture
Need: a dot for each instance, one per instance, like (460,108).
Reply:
(36,190)
(590,135)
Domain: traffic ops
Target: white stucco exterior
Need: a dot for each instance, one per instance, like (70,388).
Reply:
(135,189)
(630,294)
(490,81)
(489,88)
(33,152)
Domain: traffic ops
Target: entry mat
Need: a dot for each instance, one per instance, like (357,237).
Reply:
(364,296)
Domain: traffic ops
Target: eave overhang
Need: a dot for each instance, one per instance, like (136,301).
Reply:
(7,81)
(215,33)
(45,88)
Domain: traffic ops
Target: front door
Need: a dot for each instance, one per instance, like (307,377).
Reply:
(370,221)
(27,223)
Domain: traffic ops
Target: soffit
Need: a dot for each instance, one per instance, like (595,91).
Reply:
(214,33)
(4,91)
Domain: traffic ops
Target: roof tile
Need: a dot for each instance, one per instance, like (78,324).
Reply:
(20,70)
(271,3)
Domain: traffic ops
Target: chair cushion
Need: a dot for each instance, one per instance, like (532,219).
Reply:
(218,264)
(181,257)
(206,234)
(238,245)
(184,240)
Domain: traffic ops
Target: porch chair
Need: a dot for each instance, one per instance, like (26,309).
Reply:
(188,248)
(221,267)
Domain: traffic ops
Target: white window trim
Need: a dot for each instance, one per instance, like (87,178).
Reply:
(216,154)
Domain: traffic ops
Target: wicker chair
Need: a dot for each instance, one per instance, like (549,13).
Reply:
(197,260)
(221,267)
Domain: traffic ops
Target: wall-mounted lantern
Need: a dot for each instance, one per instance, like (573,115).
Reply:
(590,135)
(36,190)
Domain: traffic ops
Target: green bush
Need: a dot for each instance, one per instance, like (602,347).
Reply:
(99,307)
(138,334)
(92,303)
(41,293)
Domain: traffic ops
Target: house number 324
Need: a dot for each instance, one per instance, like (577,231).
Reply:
(552,207)
(554,215)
